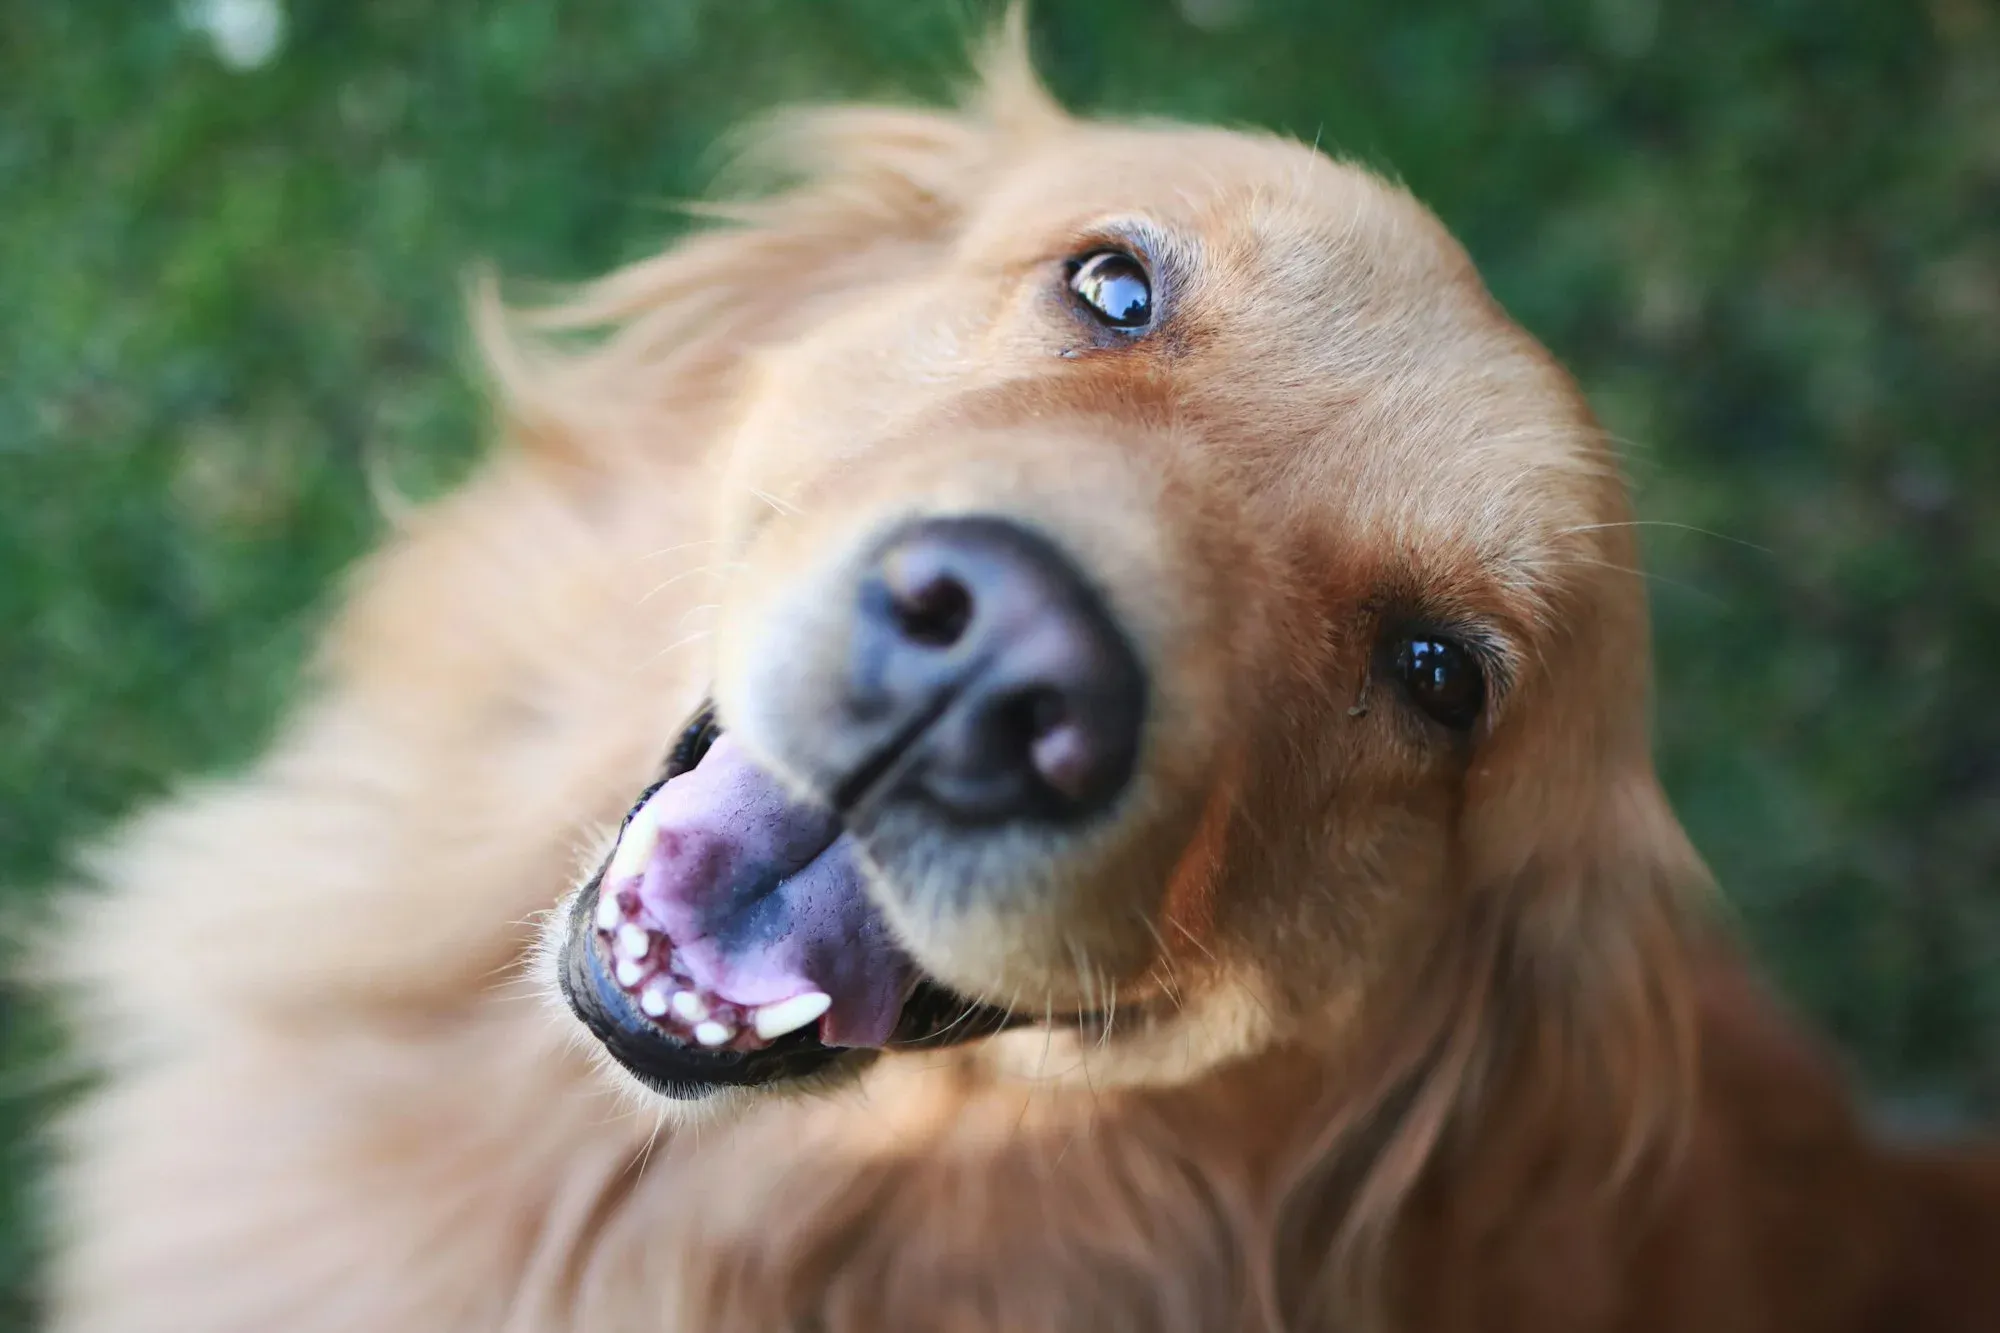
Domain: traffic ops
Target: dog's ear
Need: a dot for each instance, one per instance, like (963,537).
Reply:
(1557,1001)
(1592,889)
(826,201)
(1593,971)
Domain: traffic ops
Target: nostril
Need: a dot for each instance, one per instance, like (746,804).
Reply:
(1059,748)
(989,678)
(1063,759)
(931,607)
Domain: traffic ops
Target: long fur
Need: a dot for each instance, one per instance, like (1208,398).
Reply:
(335,1098)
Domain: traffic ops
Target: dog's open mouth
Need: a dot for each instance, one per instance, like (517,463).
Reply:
(729,938)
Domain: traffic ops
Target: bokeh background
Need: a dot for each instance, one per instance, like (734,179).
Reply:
(1765,235)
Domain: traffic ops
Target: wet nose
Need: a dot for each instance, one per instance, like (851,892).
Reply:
(993,673)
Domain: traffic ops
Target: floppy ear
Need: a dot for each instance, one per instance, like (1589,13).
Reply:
(1593,978)
(1557,1003)
(1601,894)
(849,195)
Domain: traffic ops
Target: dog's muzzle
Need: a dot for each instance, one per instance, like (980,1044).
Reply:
(730,938)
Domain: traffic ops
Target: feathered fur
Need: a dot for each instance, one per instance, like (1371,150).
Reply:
(1506,1077)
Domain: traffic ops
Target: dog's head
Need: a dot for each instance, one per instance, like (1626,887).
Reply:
(1165,596)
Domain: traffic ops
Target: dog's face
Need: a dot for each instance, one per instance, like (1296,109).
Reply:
(1165,596)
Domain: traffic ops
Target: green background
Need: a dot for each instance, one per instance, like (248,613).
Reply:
(1765,235)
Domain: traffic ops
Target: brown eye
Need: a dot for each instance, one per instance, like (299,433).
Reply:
(1114,289)
(1443,678)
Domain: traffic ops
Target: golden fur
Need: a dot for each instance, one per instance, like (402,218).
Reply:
(1416,1035)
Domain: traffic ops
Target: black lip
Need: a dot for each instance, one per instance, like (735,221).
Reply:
(933,1015)
(667,1066)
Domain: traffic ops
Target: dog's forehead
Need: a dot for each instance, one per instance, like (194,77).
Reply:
(1330,333)
(1261,233)
(1222,196)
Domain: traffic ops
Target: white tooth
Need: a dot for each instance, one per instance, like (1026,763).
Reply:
(653,1000)
(628,973)
(775,1020)
(609,914)
(635,848)
(711,1034)
(633,941)
(689,1006)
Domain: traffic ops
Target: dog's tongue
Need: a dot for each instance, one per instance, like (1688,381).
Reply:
(763,900)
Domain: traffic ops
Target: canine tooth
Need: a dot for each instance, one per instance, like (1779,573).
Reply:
(609,914)
(689,1006)
(628,973)
(711,1033)
(633,941)
(775,1020)
(635,848)
(653,1001)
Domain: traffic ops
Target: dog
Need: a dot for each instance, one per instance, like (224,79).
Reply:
(1156,828)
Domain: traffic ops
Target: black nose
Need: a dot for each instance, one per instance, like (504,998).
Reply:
(993,675)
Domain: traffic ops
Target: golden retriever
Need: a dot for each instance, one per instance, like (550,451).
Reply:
(1157,830)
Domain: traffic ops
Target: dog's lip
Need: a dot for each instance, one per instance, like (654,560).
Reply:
(669,1067)
(930,1015)
(933,1016)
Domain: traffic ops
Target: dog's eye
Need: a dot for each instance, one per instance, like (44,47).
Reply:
(1114,288)
(1443,679)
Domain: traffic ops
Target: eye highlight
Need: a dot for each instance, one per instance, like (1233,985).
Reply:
(1114,289)
(1442,677)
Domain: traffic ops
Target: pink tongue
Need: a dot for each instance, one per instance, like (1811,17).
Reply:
(763,900)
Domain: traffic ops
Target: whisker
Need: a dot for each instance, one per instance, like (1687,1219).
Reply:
(971,1007)
(1651,577)
(1170,982)
(1110,1013)
(661,587)
(699,606)
(1667,523)
(669,550)
(695,637)
(1085,979)
(1195,942)
(506,982)
(658,1131)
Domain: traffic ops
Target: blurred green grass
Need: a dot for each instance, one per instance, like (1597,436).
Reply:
(1763,236)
